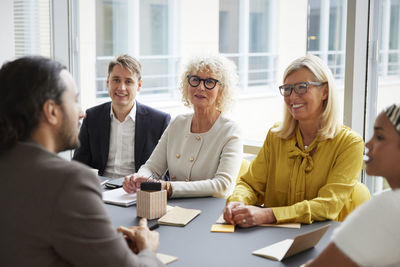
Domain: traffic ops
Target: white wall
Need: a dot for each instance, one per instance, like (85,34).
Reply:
(7,51)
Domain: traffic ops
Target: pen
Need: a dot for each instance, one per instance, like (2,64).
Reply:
(104,182)
(154,176)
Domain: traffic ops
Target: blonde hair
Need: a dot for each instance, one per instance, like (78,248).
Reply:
(223,70)
(330,124)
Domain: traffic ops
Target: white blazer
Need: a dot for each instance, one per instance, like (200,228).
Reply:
(199,164)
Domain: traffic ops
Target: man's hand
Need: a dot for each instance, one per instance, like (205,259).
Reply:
(140,237)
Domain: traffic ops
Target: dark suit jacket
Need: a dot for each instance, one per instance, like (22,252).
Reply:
(94,135)
(54,214)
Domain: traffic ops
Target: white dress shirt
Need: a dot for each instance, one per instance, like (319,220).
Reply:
(121,155)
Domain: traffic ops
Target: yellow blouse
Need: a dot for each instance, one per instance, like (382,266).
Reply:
(300,187)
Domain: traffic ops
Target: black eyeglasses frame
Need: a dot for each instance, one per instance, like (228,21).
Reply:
(296,86)
(204,82)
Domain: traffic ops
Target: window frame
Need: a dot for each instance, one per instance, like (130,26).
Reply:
(244,54)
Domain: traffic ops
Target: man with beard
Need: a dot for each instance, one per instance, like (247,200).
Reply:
(53,212)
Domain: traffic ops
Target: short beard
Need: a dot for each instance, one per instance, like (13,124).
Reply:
(66,137)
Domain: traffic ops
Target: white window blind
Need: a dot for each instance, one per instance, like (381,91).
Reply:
(32,27)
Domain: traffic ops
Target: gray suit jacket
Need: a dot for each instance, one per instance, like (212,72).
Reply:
(53,214)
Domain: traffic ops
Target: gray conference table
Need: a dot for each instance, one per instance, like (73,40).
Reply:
(195,245)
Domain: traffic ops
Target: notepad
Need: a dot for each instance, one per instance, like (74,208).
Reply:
(223,228)
(119,197)
(166,259)
(282,225)
(290,247)
(221,220)
(178,216)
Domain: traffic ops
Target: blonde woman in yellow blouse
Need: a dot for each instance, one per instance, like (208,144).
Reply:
(308,165)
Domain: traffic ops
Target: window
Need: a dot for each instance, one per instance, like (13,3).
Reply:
(261,36)
(326,37)
(32,28)
(327,33)
(142,29)
(389,45)
(244,28)
(383,69)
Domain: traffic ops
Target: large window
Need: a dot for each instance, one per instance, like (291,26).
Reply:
(383,68)
(244,27)
(144,29)
(32,27)
(389,38)
(327,32)
(261,36)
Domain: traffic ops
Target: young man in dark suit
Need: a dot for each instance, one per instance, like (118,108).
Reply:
(55,214)
(119,136)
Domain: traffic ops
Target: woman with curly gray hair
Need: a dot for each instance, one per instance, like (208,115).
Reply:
(201,150)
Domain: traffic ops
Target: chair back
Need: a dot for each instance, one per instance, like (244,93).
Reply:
(360,195)
(243,168)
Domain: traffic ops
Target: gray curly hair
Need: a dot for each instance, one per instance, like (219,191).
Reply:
(223,69)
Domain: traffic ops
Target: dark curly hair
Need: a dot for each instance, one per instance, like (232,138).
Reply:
(25,85)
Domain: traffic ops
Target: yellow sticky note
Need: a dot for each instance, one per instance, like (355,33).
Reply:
(223,228)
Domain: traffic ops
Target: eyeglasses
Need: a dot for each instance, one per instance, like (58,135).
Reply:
(299,88)
(209,83)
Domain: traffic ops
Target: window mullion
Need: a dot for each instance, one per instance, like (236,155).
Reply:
(324,29)
(135,20)
(356,65)
(244,42)
(385,37)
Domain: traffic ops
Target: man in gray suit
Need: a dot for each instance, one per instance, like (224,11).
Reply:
(53,214)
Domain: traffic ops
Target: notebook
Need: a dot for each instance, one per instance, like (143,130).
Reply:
(290,247)
(119,197)
(166,259)
(178,216)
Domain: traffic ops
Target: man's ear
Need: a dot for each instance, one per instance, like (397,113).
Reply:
(139,85)
(51,112)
